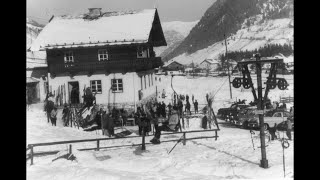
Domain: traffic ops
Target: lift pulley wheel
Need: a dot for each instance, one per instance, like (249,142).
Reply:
(236,83)
(271,83)
(282,84)
(246,83)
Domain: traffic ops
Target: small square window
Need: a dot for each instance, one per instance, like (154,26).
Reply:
(103,55)
(142,52)
(96,86)
(117,85)
(68,57)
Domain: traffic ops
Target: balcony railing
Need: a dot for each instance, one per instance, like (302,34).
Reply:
(107,66)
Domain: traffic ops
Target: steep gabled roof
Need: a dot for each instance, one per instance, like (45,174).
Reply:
(111,28)
(173,62)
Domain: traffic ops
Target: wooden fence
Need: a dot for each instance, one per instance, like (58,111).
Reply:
(32,154)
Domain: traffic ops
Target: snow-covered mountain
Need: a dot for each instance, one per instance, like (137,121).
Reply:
(248,24)
(33,30)
(278,31)
(174,32)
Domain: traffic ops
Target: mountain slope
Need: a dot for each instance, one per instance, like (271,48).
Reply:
(174,32)
(228,17)
(33,30)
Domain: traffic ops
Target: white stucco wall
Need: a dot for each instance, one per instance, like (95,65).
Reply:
(131,86)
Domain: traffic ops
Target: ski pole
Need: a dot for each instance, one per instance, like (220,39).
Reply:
(175,144)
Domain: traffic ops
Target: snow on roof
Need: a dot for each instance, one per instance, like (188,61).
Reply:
(211,61)
(111,27)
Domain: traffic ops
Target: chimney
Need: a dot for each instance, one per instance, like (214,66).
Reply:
(94,12)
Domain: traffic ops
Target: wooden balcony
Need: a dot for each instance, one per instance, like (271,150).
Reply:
(110,66)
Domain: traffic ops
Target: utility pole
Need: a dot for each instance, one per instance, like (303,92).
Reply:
(263,161)
(192,69)
(271,83)
(225,42)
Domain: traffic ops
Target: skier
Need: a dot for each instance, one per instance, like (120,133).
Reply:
(53,116)
(170,125)
(195,104)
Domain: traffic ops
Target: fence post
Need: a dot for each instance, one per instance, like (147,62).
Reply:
(184,139)
(216,134)
(31,154)
(70,148)
(98,145)
(143,147)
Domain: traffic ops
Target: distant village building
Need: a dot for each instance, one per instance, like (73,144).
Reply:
(111,52)
(173,66)
(36,76)
(210,64)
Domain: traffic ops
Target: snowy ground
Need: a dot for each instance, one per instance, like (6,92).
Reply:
(230,157)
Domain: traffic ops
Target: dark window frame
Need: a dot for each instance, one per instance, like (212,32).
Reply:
(117,83)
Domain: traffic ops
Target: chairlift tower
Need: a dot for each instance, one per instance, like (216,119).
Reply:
(271,83)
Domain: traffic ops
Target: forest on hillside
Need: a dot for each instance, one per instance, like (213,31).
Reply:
(268,50)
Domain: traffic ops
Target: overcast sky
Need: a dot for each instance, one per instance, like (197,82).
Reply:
(169,10)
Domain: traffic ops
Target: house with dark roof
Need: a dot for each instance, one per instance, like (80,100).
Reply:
(110,52)
(173,66)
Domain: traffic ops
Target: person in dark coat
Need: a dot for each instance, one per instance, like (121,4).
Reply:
(159,107)
(187,97)
(49,105)
(204,122)
(163,109)
(169,108)
(272,131)
(195,104)
(188,107)
(65,115)
(180,107)
(107,124)
(137,118)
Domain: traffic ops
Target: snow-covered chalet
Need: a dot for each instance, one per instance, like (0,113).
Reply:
(111,52)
